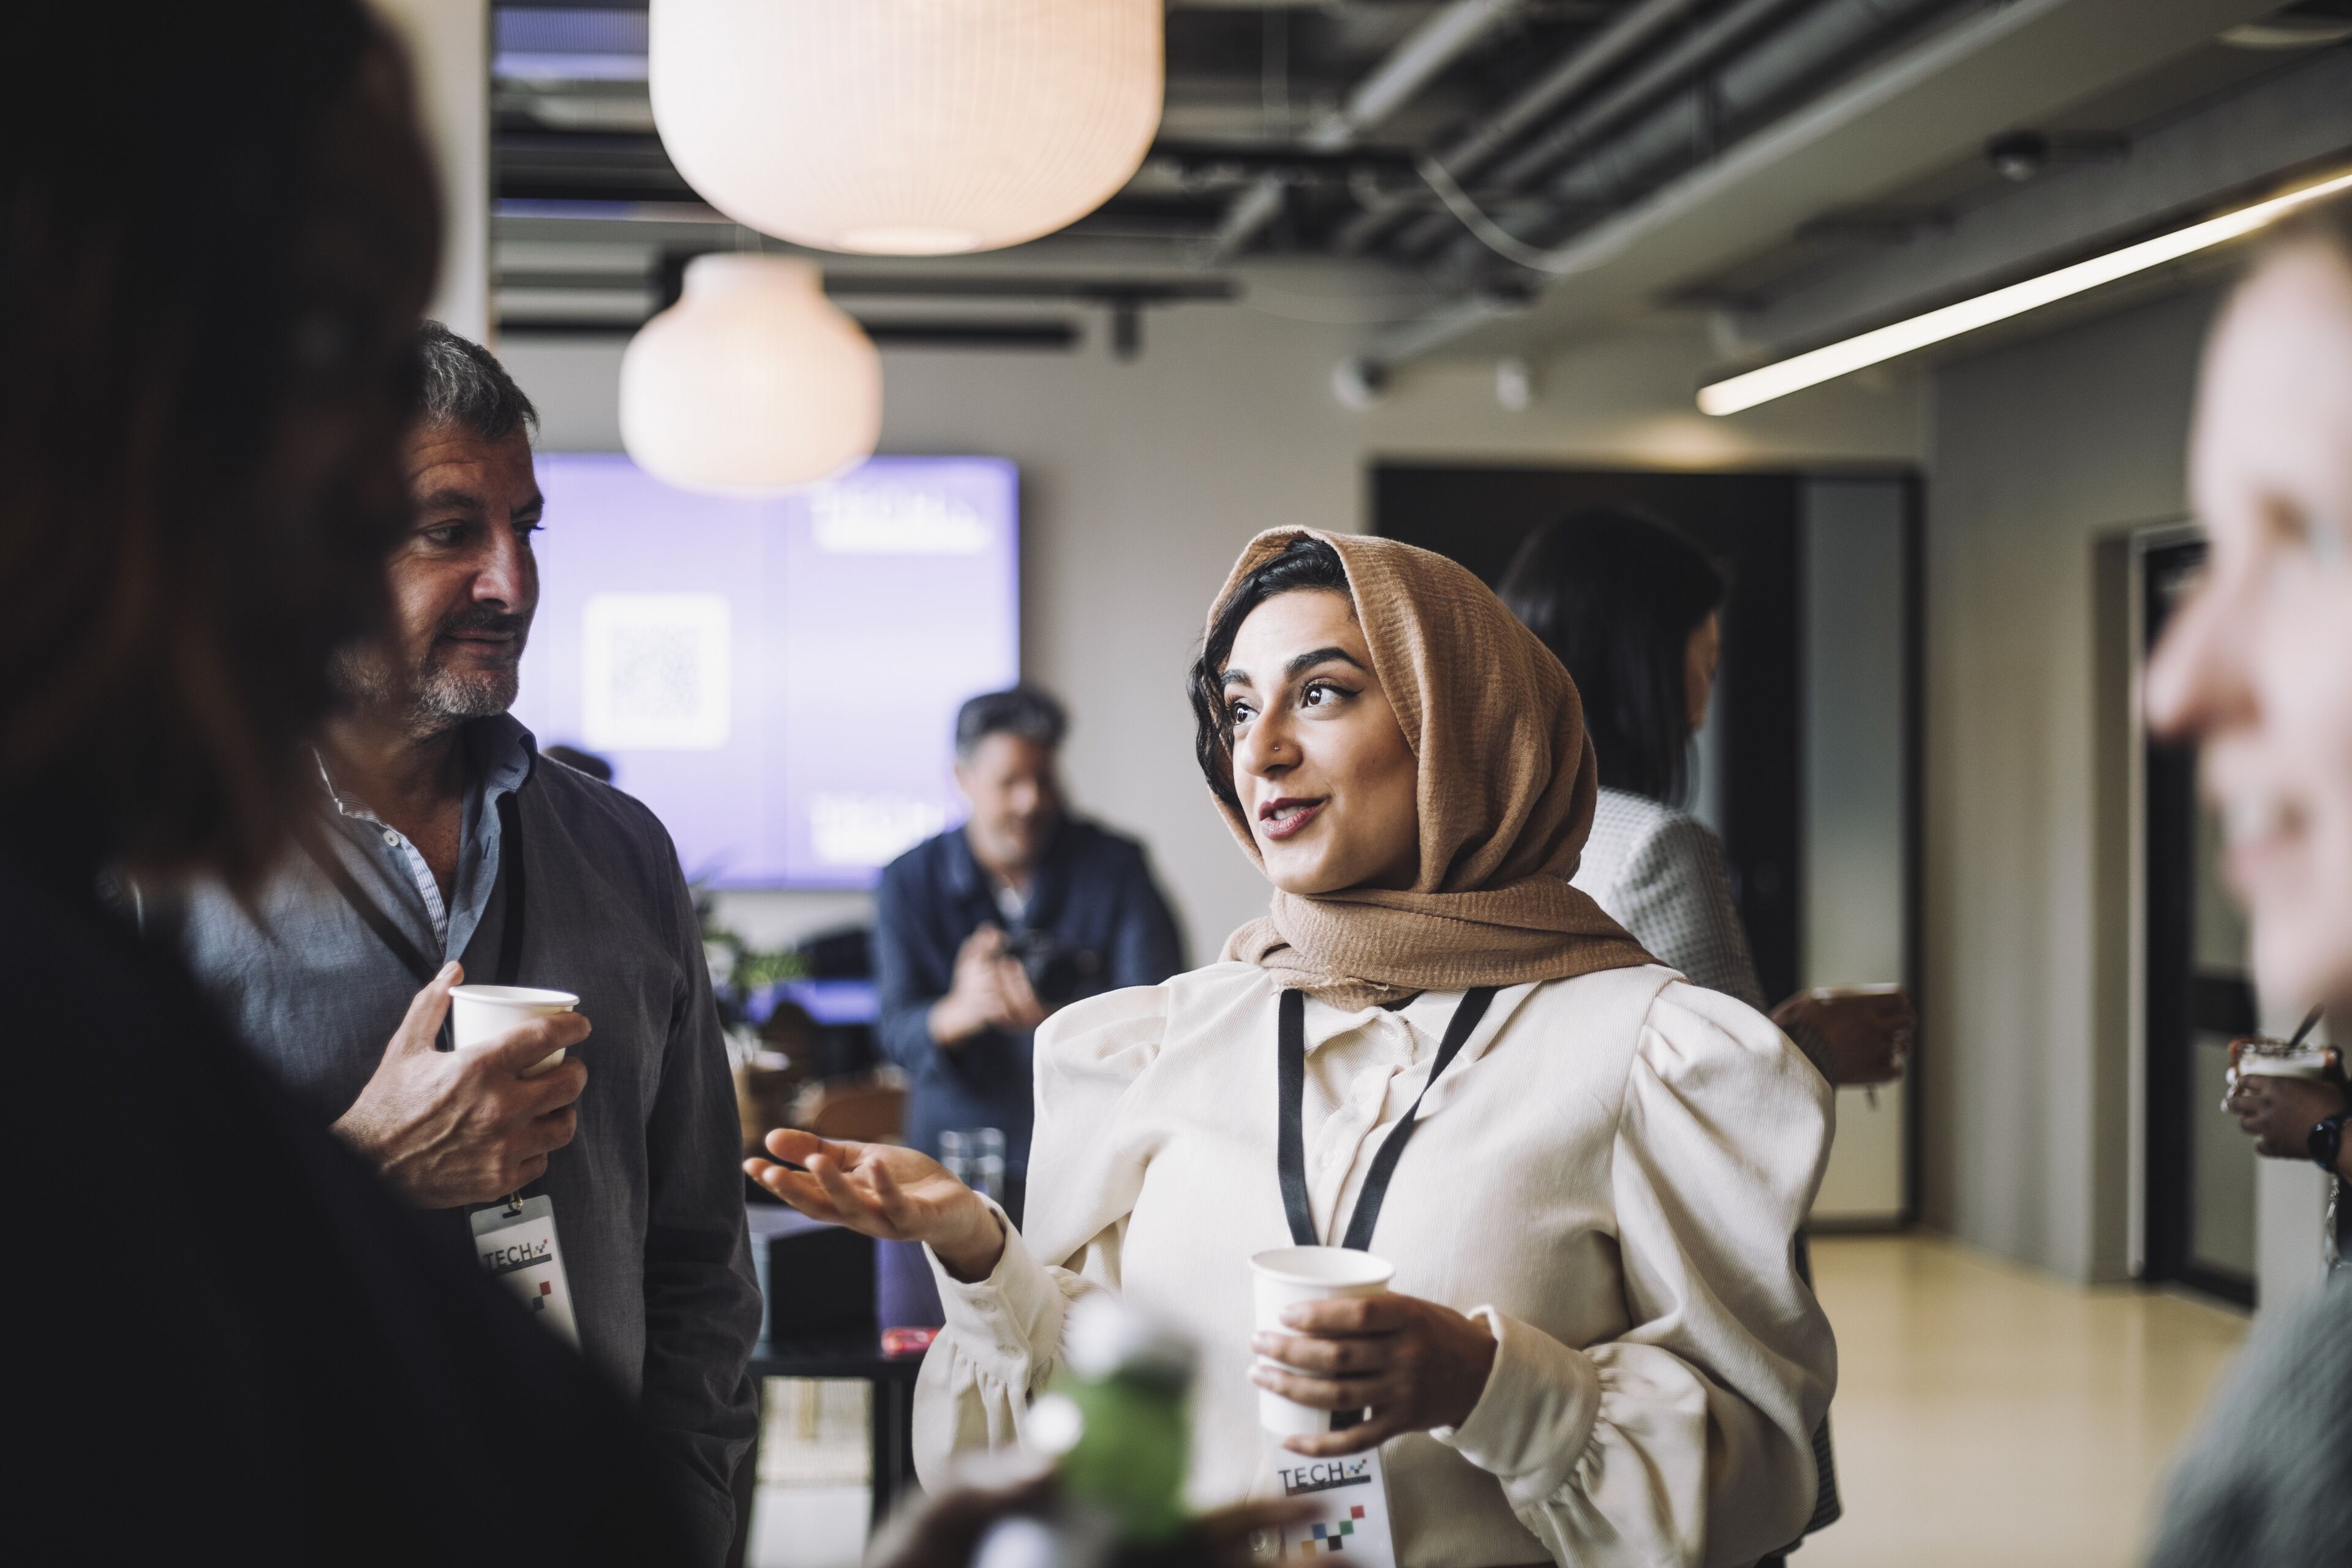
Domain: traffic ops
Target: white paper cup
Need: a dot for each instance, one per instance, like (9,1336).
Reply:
(1291,1273)
(481,1013)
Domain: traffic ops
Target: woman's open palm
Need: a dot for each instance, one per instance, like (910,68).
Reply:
(883,1190)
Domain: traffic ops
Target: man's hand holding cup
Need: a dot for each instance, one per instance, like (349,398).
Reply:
(451,1128)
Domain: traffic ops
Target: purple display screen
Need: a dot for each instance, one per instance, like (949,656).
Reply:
(778,680)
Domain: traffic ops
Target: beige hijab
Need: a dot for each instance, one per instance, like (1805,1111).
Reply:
(1506,787)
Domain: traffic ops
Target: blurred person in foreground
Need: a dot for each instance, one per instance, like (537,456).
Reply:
(218,232)
(2256,667)
(439,845)
(982,932)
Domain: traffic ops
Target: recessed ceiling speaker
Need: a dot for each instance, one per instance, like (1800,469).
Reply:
(1359,383)
(2019,155)
(1515,385)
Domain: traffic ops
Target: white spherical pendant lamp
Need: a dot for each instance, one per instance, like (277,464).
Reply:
(752,384)
(906,127)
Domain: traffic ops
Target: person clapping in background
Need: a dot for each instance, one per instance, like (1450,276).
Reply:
(983,931)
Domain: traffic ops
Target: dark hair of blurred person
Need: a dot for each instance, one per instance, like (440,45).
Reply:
(2255,667)
(1030,713)
(1626,603)
(217,231)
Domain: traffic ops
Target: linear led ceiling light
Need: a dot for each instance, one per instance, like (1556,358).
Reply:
(1785,376)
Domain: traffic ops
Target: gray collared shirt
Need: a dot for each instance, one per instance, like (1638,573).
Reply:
(648,1195)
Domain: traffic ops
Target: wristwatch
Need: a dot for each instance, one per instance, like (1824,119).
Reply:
(2325,1142)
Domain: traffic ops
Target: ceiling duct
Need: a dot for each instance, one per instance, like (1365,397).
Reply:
(1723,74)
(1412,66)
(1801,146)
(1580,68)
(1831,32)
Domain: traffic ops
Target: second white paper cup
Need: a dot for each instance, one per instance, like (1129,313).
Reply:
(1291,1273)
(481,1013)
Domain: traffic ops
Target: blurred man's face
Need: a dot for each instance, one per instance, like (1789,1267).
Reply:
(329,492)
(2256,665)
(1015,798)
(464,582)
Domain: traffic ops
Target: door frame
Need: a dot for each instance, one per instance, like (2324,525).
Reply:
(2162,1215)
(2138,542)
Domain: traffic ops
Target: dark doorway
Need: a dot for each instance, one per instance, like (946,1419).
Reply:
(2201,1169)
(1751,523)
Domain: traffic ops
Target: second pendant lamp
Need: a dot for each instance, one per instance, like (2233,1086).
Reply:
(752,384)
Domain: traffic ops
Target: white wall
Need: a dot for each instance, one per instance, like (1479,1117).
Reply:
(448,44)
(2037,450)
(1857,882)
(1141,482)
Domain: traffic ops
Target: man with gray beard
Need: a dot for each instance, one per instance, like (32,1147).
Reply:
(446,849)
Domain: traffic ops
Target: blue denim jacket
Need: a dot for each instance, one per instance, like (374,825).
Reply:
(1092,889)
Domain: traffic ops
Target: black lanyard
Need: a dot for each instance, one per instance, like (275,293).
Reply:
(388,930)
(1291,1152)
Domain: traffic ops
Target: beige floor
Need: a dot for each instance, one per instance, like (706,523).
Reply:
(1989,1416)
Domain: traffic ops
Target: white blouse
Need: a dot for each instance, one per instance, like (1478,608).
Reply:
(1611,1175)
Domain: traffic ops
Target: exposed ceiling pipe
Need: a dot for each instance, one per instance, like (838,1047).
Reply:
(1759,76)
(1583,66)
(1410,67)
(1423,335)
(1774,71)
(1692,53)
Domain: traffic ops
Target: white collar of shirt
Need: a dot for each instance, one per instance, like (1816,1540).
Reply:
(1418,1027)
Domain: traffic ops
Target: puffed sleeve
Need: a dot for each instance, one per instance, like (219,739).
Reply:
(1685,1439)
(1003,1334)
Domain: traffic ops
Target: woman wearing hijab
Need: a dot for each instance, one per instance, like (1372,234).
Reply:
(1597,1350)
(1634,610)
